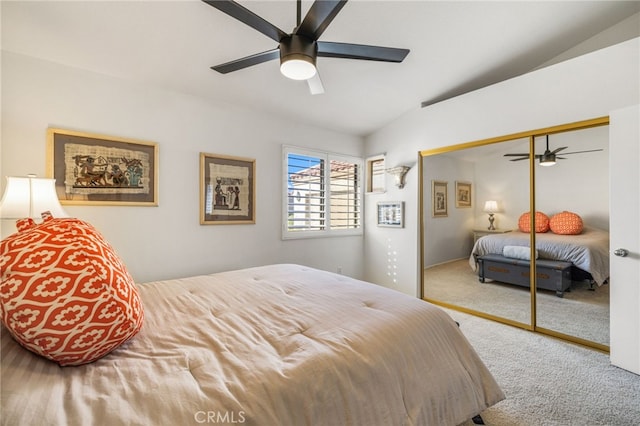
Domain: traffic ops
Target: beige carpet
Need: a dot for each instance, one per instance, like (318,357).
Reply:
(549,382)
(581,312)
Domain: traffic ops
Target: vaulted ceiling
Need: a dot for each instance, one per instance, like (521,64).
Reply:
(455,47)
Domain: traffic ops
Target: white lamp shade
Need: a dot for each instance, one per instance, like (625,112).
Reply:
(491,206)
(30,197)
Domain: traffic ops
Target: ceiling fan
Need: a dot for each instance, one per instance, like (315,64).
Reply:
(548,158)
(299,49)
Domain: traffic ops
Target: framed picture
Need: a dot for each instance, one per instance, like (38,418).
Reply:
(439,199)
(227,190)
(391,213)
(102,170)
(463,194)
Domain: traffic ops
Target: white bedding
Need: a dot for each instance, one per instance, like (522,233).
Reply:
(273,345)
(588,251)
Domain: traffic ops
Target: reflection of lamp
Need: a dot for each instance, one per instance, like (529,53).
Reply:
(29,197)
(491,207)
(398,174)
(298,57)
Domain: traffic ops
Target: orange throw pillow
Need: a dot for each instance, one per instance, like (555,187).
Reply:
(542,222)
(64,292)
(566,223)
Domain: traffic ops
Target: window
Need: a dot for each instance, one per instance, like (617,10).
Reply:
(322,194)
(375,174)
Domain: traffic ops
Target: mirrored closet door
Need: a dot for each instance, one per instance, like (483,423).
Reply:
(477,206)
(451,271)
(573,194)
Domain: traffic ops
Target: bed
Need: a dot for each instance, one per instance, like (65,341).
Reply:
(588,251)
(277,344)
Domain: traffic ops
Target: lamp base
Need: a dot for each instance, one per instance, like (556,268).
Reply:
(491,219)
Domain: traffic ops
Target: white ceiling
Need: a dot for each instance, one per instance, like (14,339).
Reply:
(455,47)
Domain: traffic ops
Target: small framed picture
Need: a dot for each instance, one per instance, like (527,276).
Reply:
(439,199)
(227,190)
(391,214)
(92,169)
(463,194)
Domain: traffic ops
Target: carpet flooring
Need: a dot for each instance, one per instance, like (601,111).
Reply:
(582,312)
(549,382)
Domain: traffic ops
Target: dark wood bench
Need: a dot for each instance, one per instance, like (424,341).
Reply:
(552,275)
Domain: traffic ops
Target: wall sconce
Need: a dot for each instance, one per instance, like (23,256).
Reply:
(398,174)
(29,197)
(491,207)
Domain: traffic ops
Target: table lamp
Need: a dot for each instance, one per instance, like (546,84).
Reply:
(491,207)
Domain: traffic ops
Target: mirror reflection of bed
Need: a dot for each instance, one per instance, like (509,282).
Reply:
(578,183)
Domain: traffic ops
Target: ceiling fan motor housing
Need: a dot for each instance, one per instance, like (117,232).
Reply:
(298,48)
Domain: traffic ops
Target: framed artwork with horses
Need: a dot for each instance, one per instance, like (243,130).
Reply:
(102,170)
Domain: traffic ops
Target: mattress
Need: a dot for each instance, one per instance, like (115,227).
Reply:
(271,345)
(588,251)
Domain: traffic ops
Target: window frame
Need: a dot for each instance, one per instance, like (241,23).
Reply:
(327,157)
(370,161)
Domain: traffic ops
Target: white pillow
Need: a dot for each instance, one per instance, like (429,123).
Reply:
(518,252)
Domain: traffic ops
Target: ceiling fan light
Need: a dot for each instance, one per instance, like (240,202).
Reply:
(547,159)
(298,67)
(298,57)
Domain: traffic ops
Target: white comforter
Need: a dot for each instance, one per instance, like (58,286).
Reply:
(588,251)
(273,345)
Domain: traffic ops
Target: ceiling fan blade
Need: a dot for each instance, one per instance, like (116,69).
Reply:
(319,17)
(580,152)
(315,85)
(248,61)
(329,49)
(517,155)
(244,15)
(520,159)
(555,151)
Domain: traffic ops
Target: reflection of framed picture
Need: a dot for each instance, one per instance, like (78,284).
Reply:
(463,194)
(439,198)
(391,213)
(102,170)
(227,190)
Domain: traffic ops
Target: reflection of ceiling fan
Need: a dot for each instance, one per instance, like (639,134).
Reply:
(549,157)
(298,50)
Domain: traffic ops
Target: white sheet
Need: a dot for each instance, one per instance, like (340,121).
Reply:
(588,251)
(274,345)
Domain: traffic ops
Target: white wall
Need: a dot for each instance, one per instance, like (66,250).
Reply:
(167,241)
(579,183)
(450,236)
(586,87)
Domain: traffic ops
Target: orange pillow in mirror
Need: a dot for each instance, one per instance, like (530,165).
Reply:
(566,223)
(64,292)
(542,222)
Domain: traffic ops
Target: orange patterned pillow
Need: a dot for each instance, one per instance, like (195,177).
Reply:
(64,292)
(566,223)
(542,222)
